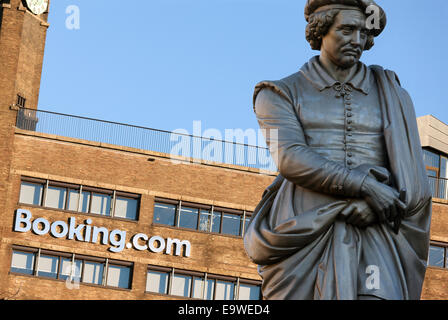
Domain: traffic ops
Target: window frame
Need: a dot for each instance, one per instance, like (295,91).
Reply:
(80,190)
(204,276)
(442,245)
(180,204)
(105,262)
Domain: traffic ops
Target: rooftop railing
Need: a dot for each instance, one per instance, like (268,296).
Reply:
(171,143)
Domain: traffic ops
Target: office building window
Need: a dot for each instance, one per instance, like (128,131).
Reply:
(437,171)
(63,196)
(224,290)
(48,266)
(181,285)
(55,197)
(118,276)
(188,218)
(165,213)
(249,291)
(23,262)
(70,269)
(200,217)
(157,281)
(63,266)
(231,224)
(126,207)
(31,193)
(437,256)
(197,285)
(92,272)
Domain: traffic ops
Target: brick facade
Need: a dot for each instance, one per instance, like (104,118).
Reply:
(30,154)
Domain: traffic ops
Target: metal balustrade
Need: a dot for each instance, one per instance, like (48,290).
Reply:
(172,143)
(439,187)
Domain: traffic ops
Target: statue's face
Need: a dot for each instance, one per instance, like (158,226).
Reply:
(345,41)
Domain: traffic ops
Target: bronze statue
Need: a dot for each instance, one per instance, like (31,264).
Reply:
(348,217)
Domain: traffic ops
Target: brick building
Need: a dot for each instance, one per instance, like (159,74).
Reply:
(91,209)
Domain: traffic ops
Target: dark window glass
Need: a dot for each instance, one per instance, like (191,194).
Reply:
(85,201)
(216,221)
(188,218)
(164,214)
(246,223)
(431,159)
(231,224)
(205,220)
(436,256)
(209,289)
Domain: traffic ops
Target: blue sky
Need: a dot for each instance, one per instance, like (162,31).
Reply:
(166,63)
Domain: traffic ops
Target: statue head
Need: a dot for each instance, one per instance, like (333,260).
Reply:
(342,28)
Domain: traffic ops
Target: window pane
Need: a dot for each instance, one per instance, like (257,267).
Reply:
(93,272)
(198,287)
(100,204)
(231,224)
(157,282)
(118,276)
(68,269)
(431,159)
(31,193)
(164,213)
(48,266)
(209,289)
(126,208)
(216,222)
(22,262)
(224,290)
(249,292)
(73,197)
(443,167)
(436,256)
(181,285)
(188,218)
(246,223)
(85,200)
(55,197)
(205,220)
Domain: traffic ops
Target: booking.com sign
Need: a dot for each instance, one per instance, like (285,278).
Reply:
(86,232)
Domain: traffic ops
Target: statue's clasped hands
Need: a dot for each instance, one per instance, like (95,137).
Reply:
(380,203)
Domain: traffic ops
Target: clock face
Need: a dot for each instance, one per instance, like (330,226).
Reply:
(37,6)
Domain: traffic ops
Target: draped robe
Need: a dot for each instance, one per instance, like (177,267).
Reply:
(330,137)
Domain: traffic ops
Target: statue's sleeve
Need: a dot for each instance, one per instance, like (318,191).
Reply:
(295,160)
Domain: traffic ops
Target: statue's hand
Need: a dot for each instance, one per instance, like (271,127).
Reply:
(359,214)
(383,199)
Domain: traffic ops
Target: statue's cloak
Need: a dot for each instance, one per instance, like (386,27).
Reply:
(316,254)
